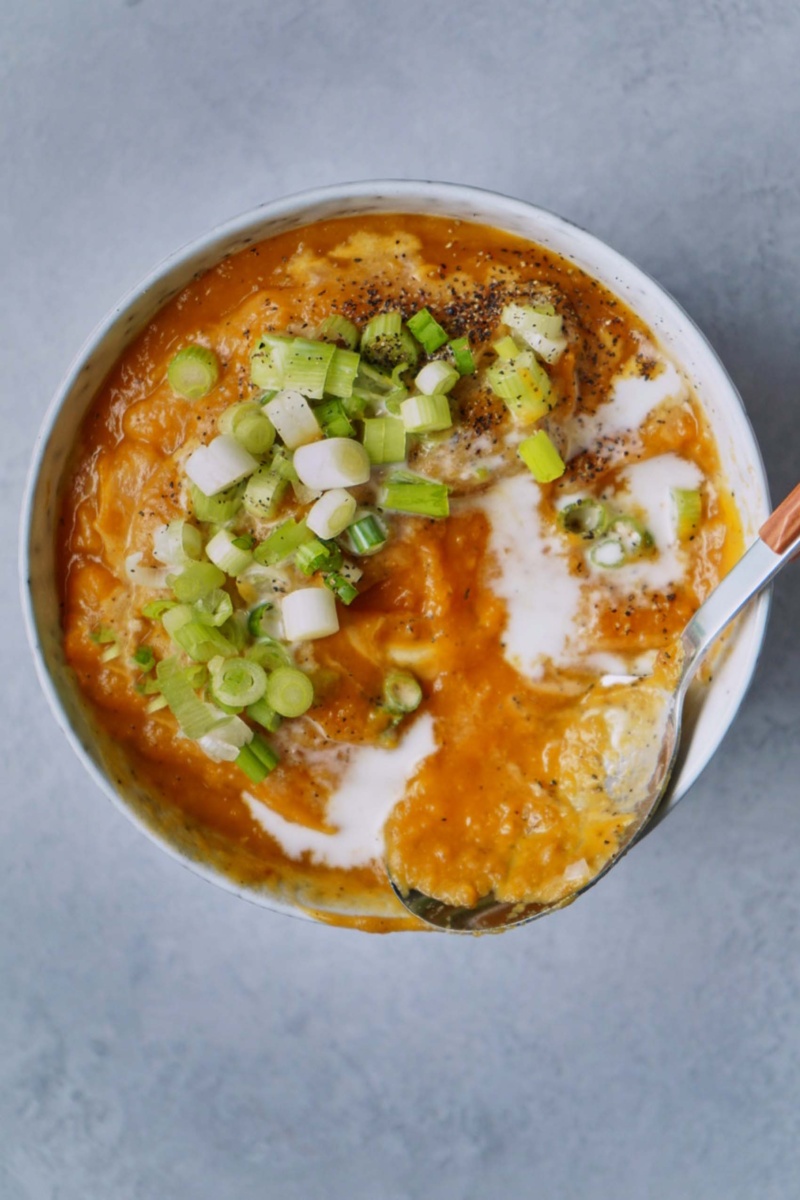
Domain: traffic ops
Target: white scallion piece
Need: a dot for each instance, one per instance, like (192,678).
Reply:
(309,613)
(332,513)
(259,583)
(303,494)
(224,554)
(150,577)
(436,377)
(542,331)
(177,544)
(333,463)
(225,741)
(219,465)
(293,418)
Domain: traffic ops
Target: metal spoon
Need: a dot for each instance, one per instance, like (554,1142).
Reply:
(777,542)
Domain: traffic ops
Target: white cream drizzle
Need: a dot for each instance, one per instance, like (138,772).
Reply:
(373,782)
(633,398)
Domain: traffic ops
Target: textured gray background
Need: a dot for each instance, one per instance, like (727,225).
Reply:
(160,1039)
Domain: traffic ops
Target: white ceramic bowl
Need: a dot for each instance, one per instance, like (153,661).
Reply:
(707,720)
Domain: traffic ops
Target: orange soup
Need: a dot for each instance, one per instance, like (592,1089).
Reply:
(358,536)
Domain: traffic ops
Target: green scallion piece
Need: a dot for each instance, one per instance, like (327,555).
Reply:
(427,330)
(401,693)
(217,509)
(342,373)
(523,385)
(631,534)
(196,580)
(341,587)
(156,609)
(269,653)
(203,642)
(110,653)
(282,542)
(462,356)
(261,621)
(178,615)
(193,372)
(289,692)
(103,636)
(688,512)
(306,366)
(264,491)
(316,555)
(177,687)
(588,518)
(250,425)
(386,343)
(263,715)
(156,704)
(384,439)
(507,349)
(339,330)
(541,457)
(213,609)
(366,535)
(333,419)
(267,362)
(144,658)
(236,682)
(426,414)
(257,759)
(407,493)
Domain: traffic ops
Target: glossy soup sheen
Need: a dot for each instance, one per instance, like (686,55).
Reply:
(484,811)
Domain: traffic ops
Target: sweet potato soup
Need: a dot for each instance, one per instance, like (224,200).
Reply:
(364,542)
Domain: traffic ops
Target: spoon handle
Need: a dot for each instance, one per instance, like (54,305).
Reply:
(778,541)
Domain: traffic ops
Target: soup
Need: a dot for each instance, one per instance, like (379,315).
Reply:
(474,500)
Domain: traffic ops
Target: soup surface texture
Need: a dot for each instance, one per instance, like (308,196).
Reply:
(540,515)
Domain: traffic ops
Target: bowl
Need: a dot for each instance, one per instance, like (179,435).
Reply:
(713,708)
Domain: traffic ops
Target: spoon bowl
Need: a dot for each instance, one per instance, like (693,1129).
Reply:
(637,780)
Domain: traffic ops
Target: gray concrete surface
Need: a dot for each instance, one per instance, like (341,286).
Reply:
(160,1040)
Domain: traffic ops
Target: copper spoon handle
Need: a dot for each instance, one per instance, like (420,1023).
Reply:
(783,526)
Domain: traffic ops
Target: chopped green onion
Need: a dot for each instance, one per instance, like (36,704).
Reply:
(540,327)
(524,385)
(342,373)
(316,556)
(631,534)
(384,439)
(177,543)
(218,509)
(333,419)
(262,621)
(257,759)
(281,463)
(407,493)
(507,349)
(293,417)
(237,681)
(309,613)
(263,715)
(436,377)
(203,642)
(110,653)
(386,343)
(587,518)
(341,587)
(306,367)
(688,512)
(264,491)
(245,541)
(194,717)
(269,653)
(250,425)
(375,387)
(156,608)
(541,457)
(225,742)
(225,555)
(332,513)
(282,542)
(401,692)
(289,692)
(174,618)
(366,535)
(607,553)
(103,636)
(219,465)
(156,704)
(427,331)
(193,372)
(235,630)
(267,362)
(426,414)
(338,329)
(213,609)
(462,356)
(195,581)
(144,658)
(334,462)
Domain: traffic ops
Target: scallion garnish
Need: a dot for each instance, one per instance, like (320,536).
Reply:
(282,542)
(193,372)
(407,493)
(237,681)
(366,535)
(427,330)
(144,658)
(263,715)
(588,518)
(289,692)
(688,512)
(217,509)
(332,513)
(401,692)
(524,385)
(250,425)
(155,609)
(214,609)
(257,759)
(195,581)
(269,653)
(103,636)
(229,557)
(195,717)
(264,491)
(541,457)
(462,356)
(386,343)
(293,417)
(342,373)
(385,439)
(426,414)
(316,556)
(203,642)
(338,329)
(333,419)
(436,377)
(341,587)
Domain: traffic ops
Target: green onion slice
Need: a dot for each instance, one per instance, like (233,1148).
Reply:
(366,535)
(426,414)
(257,759)
(289,692)
(264,620)
(541,457)
(193,372)
(213,609)
(225,554)
(144,658)
(156,609)
(237,681)
(401,692)
(688,512)
(588,518)
(386,343)
(250,425)
(427,330)
(342,373)
(523,385)
(462,356)
(177,687)
(385,439)
(339,330)
(333,419)
(263,715)
(341,587)
(269,653)
(282,542)
(408,493)
(264,491)
(203,642)
(217,509)
(196,580)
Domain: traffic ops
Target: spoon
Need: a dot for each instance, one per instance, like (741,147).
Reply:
(778,541)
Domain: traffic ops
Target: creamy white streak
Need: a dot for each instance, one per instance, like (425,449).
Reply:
(632,399)
(373,782)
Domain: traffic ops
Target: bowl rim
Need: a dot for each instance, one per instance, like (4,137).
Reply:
(289,206)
